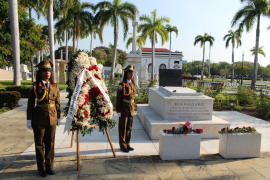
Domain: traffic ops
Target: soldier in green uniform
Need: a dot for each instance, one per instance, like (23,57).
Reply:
(44,117)
(125,106)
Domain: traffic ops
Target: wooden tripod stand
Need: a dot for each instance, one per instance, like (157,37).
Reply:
(78,142)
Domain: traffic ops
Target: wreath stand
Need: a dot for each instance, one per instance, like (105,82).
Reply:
(78,142)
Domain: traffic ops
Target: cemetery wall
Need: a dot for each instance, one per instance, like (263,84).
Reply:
(4,74)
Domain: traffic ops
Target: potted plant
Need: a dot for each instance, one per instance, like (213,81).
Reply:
(180,143)
(239,142)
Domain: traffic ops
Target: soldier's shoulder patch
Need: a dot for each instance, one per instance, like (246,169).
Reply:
(120,87)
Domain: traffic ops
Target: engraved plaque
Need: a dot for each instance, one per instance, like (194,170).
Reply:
(170,77)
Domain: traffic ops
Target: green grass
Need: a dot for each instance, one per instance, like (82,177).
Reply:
(4,109)
(27,83)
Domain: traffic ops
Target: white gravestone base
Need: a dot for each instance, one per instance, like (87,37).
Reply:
(240,145)
(179,146)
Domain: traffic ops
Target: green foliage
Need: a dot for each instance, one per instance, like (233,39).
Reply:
(112,90)
(215,89)
(58,52)
(23,90)
(142,94)
(238,130)
(152,83)
(245,95)
(9,98)
(29,34)
(104,56)
(117,75)
(264,103)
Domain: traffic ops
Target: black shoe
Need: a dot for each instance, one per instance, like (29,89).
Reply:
(130,148)
(42,173)
(124,150)
(50,171)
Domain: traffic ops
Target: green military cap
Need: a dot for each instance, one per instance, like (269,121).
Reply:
(45,65)
(129,68)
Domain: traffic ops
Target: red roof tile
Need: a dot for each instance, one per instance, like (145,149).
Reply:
(156,50)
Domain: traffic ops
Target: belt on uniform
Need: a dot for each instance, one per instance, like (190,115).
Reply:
(45,105)
(128,101)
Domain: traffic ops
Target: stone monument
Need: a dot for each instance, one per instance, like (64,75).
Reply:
(24,71)
(62,69)
(118,69)
(136,57)
(170,106)
(136,79)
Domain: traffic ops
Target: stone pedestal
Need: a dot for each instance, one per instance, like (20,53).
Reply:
(167,108)
(136,60)
(179,146)
(24,75)
(240,145)
(62,73)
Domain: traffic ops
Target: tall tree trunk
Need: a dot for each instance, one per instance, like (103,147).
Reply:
(255,67)
(74,35)
(14,24)
(66,45)
(114,53)
(32,61)
(232,63)
(91,44)
(77,44)
(203,62)
(38,57)
(209,59)
(51,39)
(153,59)
(169,65)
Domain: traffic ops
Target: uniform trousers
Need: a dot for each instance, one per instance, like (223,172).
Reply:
(124,131)
(44,135)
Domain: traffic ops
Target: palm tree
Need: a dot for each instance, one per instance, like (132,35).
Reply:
(260,51)
(59,36)
(139,41)
(14,24)
(171,29)
(202,40)
(152,27)
(79,17)
(233,37)
(248,16)
(113,13)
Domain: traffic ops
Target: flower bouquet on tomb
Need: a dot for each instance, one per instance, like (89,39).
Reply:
(183,129)
(244,129)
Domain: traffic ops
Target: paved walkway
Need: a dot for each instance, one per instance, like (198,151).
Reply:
(17,160)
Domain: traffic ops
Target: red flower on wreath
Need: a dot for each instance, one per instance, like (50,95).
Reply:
(96,91)
(97,76)
(86,115)
(173,128)
(164,130)
(199,130)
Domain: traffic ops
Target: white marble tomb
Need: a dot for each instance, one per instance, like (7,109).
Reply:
(171,106)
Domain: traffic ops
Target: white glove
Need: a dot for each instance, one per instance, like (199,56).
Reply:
(29,124)
(58,122)
(119,114)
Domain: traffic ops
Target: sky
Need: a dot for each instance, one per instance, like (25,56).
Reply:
(192,18)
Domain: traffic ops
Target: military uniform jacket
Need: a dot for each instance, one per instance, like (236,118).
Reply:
(47,111)
(125,104)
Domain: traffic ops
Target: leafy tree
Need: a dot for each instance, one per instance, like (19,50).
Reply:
(30,36)
(112,13)
(202,40)
(235,38)
(248,15)
(152,26)
(171,29)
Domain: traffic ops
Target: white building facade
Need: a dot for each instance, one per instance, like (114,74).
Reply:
(161,59)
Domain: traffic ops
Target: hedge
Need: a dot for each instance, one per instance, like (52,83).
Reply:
(24,91)
(9,98)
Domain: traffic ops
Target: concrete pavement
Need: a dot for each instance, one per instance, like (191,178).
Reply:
(97,162)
